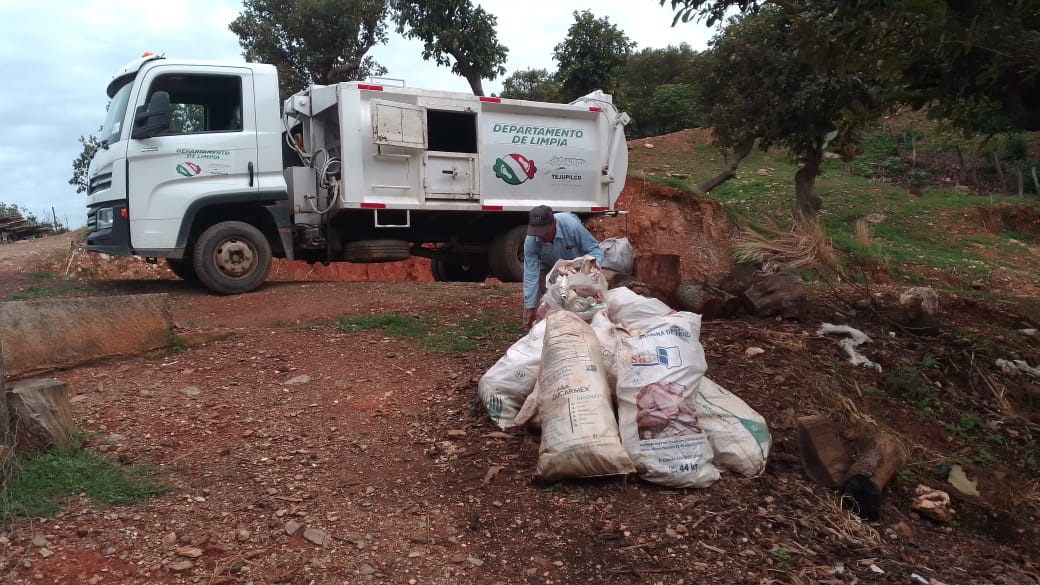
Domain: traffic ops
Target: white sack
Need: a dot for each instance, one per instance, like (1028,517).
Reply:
(618,255)
(579,432)
(659,369)
(606,333)
(632,310)
(738,435)
(506,384)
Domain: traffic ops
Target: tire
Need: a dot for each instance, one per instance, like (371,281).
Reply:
(506,256)
(184,269)
(232,257)
(444,271)
(369,251)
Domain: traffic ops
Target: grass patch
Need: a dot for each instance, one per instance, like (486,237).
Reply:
(673,182)
(38,486)
(434,333)
(44,275)
(31,292)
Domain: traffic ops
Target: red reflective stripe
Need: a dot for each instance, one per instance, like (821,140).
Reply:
(373,206)
(595,109)
(370,87)
(599,209)
(492,207)
(492,100)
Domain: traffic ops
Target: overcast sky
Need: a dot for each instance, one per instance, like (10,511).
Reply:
(57,57)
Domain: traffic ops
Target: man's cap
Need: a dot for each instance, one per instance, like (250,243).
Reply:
(540,221)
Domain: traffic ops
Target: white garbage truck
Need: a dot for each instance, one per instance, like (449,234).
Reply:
(202,164)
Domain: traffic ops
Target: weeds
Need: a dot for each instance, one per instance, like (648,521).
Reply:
(39,485)
(463,336)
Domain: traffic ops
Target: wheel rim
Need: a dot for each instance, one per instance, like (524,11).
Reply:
(234,257)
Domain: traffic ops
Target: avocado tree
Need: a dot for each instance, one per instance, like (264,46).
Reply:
(756,85)
(531,84)
(313,41)
(961,60)
(592,57)
(454,33)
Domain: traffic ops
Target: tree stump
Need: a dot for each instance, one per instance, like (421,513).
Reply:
(823,452)
(660,271)
(778,293)
(40,414)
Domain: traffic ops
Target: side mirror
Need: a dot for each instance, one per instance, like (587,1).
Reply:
(150,121)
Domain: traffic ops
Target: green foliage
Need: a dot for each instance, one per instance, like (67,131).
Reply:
(81,163)
(462,335)
(455,34)
(39,485)
(964,61)
(592,56)
(44,275)
(313,41)
(532,84)
(659,90)
(38,292)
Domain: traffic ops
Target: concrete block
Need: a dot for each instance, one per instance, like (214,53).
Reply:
(47,334)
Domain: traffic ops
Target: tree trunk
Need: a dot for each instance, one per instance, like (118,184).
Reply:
(40,414)
(962,174)
(1036,182)
(475,84)
(807,204)
(740,152)
(824,457)
(1021,181)
(877,463)
(1000,173)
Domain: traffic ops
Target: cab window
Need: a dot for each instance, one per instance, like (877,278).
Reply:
(202,103)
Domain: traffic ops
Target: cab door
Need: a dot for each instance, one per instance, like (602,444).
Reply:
(210,151)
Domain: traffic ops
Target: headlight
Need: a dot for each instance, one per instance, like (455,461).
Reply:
(105,216)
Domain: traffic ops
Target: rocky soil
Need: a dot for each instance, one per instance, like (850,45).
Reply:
(299,452)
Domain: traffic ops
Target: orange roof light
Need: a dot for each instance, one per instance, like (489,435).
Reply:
(147,54)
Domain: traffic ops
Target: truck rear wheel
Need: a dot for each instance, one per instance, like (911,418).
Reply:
(232,257)
(184,269)
(506,256)
(445,271)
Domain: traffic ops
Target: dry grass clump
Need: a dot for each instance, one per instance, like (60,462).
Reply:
(794,248)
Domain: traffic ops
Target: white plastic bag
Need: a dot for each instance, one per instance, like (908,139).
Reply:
(579,433)
(618,255)
(738,435)
(505,386)
(659,369)
(577,286)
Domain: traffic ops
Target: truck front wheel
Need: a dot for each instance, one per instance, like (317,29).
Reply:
(506,256)
(232,257)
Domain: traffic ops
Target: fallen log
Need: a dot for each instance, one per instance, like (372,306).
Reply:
(709,301)
(878,462)
(777,293)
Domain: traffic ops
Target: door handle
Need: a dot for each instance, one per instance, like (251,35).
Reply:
(250,173)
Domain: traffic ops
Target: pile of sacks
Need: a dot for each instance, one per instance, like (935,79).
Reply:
(615,381)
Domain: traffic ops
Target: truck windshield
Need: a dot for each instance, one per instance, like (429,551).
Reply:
(116,114)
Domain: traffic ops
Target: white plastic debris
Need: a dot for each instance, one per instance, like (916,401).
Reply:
(849,344)
(1013,366)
